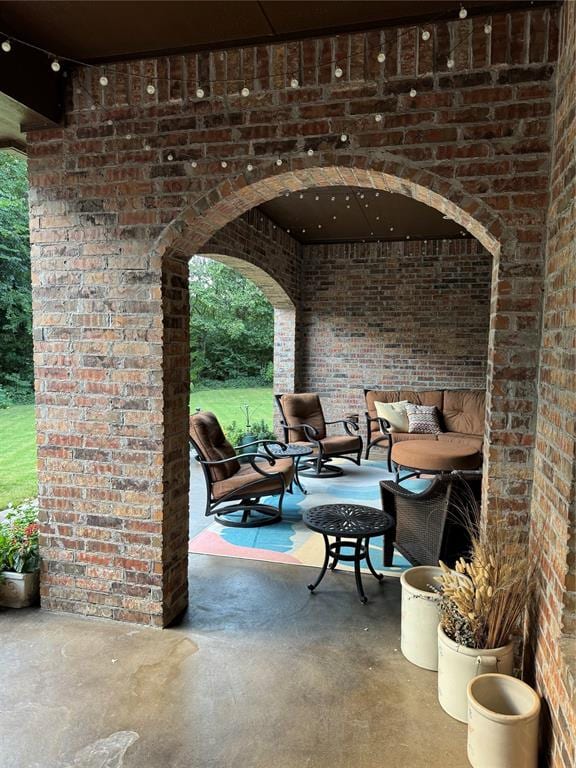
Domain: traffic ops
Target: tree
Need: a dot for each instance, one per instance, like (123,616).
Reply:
(231,323)
(16,366)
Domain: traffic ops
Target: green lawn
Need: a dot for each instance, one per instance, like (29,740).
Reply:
(17,454)
(227,404)
(18,443)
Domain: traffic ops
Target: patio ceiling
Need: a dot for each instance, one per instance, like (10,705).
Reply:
(347,214)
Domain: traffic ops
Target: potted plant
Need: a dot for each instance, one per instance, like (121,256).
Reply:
(481,604)
(19,557)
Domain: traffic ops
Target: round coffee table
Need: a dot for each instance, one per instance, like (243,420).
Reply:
(354,522)
(293,451)
(436,457)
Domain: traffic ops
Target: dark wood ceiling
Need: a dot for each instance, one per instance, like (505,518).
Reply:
(110,29)
(348,214)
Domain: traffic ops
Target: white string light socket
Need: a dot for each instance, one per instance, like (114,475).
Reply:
(338,72)
(294,83)
(194,164)
(245,92)
(200,93)
(425,35)
(381,57)
(412,93)
(310,152)
(170,156)
(150,89)
(103,81)
(450,63)
(378,118)
(462,13)
(249,167)
(224,164)
(55,66)
(6,46)
(279,161)
(487,29)
(344,137)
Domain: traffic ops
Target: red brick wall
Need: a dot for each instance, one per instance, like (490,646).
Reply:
(111,211)
(390,315)
(553,630)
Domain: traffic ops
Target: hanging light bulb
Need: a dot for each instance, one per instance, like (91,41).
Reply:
(450,63)
(487,28)
(147,147)
(224,164)
(425,35)
(303,230)
(381,57)
(129,136)
(301,196)
(310,152)
(344,137)
(6,46)
(245,91)
(150,89)
(377,218)
(279,161)
(103,81)
(170,156)
(194,164)
(294,83)
(412,92)
(391,229)
(347,198)
(317,198)
(338,72)
(462,13)
(200,93)
(55,66)
(319,226)
(334,218)
(377,194)
(110,122)
(333,198)
(378,118)
(249,167)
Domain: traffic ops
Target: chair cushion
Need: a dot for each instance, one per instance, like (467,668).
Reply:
(426,397)
(381,396)
(461,438)
(303,409)
(333,444)
(464,411)
(423,419)
(262,485)
(212,445)
(395,414)
(436,456)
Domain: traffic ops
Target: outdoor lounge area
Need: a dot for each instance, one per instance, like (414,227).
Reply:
(302,308)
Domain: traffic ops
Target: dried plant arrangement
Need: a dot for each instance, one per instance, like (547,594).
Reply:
(485,596)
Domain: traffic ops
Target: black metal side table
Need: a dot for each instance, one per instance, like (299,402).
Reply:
(293,451)
(354,522)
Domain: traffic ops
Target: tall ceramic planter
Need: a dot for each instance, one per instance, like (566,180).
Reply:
(503,717)
(457,665)
(18,590)
(420,617)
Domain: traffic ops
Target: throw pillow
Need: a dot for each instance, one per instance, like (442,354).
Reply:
(423,419)
(395,414)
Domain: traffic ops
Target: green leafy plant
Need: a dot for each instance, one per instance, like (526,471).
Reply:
(19,539)
(259,429)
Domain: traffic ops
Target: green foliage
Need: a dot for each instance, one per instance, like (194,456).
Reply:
(16,368)
(242,382)
(231,324)
(19,539)
(5,400)
(259,431)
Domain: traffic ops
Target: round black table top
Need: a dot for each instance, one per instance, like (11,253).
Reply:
(291,449)
(352,520)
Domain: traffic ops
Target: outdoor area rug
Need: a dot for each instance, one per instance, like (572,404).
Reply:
(290,541)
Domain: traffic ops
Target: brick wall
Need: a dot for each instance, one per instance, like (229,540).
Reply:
(134,183)
(387,315)
(553,630)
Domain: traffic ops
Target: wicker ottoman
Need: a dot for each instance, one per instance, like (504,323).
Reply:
(430,456)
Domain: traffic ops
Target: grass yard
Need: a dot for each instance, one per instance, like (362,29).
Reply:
(227,404)
(18,442)
(17,455)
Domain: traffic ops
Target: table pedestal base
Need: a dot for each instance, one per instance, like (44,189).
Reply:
(361,547)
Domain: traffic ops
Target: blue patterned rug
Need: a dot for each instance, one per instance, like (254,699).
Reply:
(290,541)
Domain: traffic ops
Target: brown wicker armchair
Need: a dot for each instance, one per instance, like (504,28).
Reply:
(434,524)
(303,421)
(238,486)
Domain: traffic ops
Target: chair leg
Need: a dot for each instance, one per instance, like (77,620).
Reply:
(389,537)
(367,454)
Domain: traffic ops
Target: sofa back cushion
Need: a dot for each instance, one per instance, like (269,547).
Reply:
(381,396)
(430,397)
(464,411)
(303,408)
(212,445)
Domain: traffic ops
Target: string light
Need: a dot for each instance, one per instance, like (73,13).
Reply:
(425,35)
(200,93)
(150,89)
(344,137)
(487,29)
(462,13)
(294,83)
(245,91)
(381,57)
(317,198)
(194,164)
(224,164)
(338,72)
(412,92)
(279,161)
(310,152)
(378,118)
(168,157)
(6,46)
(450,63)
(249,167)
(319,226)
(103,81)
(55,66)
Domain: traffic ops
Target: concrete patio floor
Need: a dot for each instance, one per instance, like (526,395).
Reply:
(259,673)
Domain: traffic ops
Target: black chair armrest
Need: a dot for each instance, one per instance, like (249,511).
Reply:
(348,423)
(212,462)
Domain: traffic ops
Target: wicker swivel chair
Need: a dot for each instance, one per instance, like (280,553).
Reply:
(303,421)
(233,487)
(434,524)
